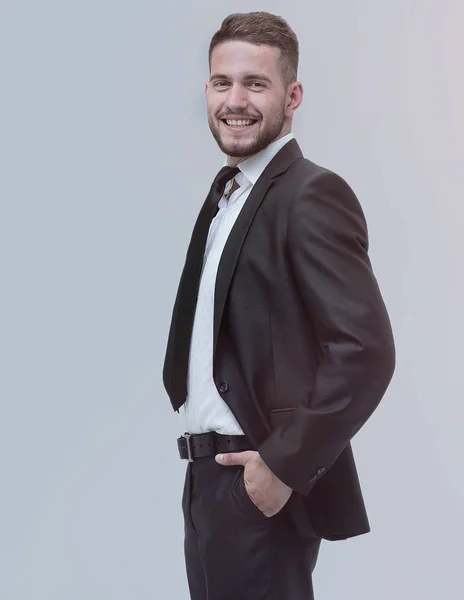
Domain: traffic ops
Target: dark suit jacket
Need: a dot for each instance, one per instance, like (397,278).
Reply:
(303,347)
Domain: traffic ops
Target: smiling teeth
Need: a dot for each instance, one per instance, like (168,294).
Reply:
(238,123)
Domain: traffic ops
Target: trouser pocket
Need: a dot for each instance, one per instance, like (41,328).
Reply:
(243,499)
(187,497)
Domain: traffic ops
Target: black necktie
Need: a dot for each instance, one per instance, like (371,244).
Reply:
(177,353)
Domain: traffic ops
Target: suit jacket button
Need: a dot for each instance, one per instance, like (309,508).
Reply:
(321,470)
(224,387)
(312,479)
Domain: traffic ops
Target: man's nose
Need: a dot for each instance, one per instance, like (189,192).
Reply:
(237,97)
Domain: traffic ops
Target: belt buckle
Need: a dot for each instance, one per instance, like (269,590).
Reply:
(187,436)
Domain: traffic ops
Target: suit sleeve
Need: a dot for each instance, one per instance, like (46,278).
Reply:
(328,252)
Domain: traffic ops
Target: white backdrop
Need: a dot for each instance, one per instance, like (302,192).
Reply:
(105,158)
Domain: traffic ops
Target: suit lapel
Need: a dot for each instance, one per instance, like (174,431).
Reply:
(228,262)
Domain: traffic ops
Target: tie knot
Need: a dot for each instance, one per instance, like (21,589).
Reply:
(224,175)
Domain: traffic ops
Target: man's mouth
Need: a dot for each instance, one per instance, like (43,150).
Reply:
(239,124)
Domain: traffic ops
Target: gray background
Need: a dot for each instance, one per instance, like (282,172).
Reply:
(105,160)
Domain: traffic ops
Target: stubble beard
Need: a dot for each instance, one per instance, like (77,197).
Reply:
(258,141)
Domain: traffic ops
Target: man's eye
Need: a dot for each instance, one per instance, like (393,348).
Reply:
(224,83)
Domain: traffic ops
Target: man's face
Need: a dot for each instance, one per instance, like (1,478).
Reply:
(245,83)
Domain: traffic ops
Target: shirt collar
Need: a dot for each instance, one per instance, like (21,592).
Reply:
(253,166)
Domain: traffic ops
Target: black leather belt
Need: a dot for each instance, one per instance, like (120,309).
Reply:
(198,445)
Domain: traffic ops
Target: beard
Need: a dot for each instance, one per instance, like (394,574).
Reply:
(254,143)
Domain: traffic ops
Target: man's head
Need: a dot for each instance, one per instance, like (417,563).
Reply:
(253,62)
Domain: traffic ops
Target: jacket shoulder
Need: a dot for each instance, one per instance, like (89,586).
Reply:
(308,171)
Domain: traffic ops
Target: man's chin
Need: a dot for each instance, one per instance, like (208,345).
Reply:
(238,153)
(238,150)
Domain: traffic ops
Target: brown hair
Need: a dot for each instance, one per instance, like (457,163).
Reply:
(261,28)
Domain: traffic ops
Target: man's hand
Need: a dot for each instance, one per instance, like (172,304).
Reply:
(266,490)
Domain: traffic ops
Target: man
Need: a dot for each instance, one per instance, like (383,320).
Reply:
(280,346)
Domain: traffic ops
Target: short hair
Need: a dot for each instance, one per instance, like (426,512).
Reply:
(262,28)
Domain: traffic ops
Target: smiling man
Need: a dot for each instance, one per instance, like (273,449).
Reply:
(280,346)
(242,128)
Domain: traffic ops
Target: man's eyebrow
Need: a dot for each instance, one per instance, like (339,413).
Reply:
(248,76)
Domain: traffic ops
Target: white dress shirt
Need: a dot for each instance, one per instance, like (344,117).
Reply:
(204,409)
